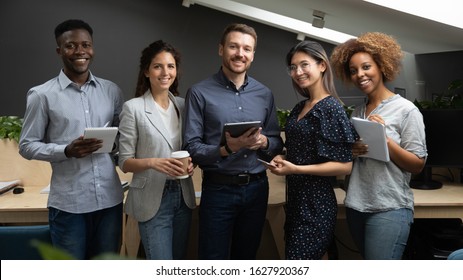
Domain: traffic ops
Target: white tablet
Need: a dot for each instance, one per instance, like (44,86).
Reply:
(107,134)
(374,135)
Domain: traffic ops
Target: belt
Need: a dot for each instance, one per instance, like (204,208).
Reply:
(239,179)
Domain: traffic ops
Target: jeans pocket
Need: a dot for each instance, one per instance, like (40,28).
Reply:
(53,213)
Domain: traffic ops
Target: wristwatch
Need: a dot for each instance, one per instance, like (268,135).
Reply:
(229,151)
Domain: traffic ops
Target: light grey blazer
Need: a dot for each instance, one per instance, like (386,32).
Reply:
(143,135)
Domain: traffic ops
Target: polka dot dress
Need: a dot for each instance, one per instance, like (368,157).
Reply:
(323,134)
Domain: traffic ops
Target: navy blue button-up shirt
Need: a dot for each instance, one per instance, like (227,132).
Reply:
(215,101)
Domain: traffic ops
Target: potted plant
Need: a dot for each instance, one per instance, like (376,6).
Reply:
(10,127)
(451,98)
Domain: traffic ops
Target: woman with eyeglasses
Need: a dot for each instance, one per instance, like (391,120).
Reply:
(319,138)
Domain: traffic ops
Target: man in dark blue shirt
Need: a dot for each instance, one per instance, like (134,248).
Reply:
(235,185)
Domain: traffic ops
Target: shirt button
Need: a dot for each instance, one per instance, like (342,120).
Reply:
(245,156)
(237,93)
(240,108)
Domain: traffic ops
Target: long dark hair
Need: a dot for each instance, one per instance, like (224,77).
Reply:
(317,52)
(143,83)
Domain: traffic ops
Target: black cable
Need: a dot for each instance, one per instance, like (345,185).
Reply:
(450,178)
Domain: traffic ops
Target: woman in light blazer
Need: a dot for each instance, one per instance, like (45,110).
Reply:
(150,129)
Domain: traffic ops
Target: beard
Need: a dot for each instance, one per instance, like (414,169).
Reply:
(235,70)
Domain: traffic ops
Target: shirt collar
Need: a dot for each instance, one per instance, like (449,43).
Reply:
(64,81)
(223,80)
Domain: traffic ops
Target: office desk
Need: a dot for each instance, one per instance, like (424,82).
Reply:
(30,207)
(442,203)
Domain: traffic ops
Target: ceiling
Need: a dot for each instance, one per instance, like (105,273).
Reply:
(416,35)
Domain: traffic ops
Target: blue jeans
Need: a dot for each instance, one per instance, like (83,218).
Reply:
(165,236)
(380,236)
(231,219)
(87,235)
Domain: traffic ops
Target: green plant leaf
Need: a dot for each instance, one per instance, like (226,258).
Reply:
(48,252)
(349,109)
(456,84)
(450,98)
(10,127)
(282,115)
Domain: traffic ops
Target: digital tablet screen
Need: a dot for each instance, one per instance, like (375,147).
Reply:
(238,128)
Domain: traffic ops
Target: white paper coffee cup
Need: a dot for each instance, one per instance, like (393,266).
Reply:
(183,157)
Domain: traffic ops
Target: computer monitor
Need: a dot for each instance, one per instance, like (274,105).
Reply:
(444,141)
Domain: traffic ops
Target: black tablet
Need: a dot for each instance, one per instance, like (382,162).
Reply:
(238,128)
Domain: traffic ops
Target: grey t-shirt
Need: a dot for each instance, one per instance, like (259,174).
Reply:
(376,186)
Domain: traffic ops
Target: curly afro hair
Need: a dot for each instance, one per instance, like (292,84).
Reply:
(384,49)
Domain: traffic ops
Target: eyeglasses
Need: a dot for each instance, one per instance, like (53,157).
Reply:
(305,66)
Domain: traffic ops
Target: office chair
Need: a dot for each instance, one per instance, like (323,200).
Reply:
(15,241)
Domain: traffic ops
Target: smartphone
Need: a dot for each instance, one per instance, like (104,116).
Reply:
(266,162)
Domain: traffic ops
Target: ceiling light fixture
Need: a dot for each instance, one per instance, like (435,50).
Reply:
(300,36)
(187,3)
(318,19)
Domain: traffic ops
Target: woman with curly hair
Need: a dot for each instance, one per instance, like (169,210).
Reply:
(379,201)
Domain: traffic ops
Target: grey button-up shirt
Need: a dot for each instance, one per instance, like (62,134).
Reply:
(376,186)
(57,112)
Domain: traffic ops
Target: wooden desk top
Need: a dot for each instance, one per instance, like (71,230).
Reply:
(31,205)
(451,194)
(30,200)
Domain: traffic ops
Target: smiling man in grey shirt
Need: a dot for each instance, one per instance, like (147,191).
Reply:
(85,200)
